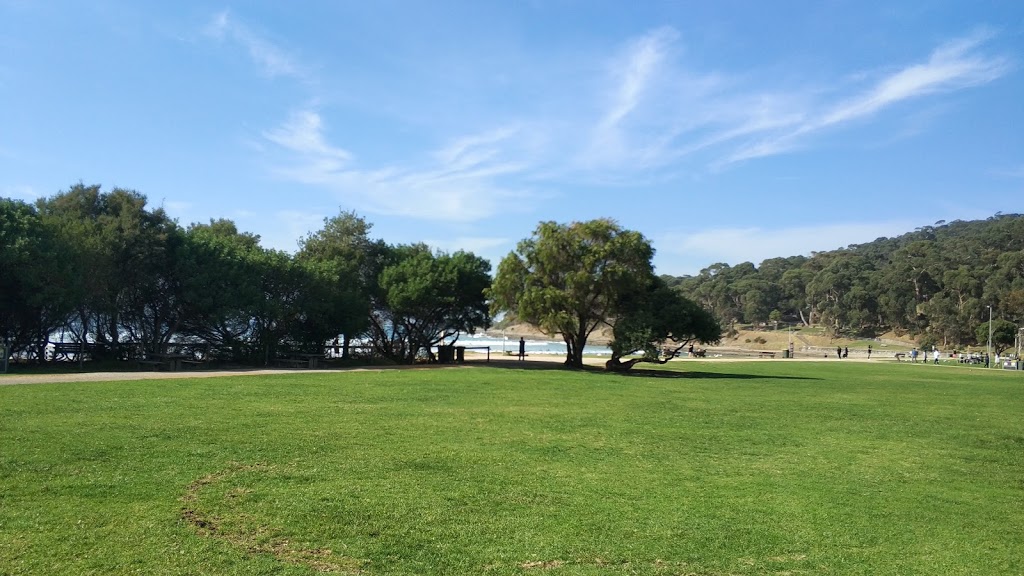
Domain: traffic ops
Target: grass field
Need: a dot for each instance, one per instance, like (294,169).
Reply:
(731,468)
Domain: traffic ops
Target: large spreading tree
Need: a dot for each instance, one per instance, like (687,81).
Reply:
(422,299)
(1002,333)
(568,280)
(655,324)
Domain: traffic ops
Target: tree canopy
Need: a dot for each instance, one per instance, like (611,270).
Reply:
(933,283)
(657,323)
(570,279)
(423,299)
(1004,334)
(104,268)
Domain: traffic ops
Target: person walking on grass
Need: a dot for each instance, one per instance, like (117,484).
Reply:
(839,352)
(936,354)
(869,351)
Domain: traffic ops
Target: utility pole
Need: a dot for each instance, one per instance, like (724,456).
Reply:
(991,358)
(1020,342)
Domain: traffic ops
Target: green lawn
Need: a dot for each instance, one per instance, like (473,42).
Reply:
(733,468)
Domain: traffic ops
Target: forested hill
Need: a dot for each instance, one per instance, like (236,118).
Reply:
(935,283)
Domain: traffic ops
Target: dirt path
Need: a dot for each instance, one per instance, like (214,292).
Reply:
(474,360)
(114,376)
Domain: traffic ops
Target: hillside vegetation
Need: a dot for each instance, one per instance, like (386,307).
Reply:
(934,284)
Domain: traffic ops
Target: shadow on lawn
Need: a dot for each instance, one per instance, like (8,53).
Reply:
(639,372)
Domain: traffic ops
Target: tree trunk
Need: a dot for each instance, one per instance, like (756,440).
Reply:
(574,345)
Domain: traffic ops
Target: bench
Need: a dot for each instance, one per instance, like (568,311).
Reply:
(193,363)
(292,362)
(766,354)
(154,364)
(65,350)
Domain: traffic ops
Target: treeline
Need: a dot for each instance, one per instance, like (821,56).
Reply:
(105,269)
(935,283)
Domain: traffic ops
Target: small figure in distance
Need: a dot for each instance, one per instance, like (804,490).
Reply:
(846,352)
(869,351)
(839,353)
(522,348)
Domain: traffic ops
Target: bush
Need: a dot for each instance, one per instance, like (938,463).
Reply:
(927,342)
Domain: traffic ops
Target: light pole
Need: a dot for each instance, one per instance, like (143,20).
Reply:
(1020,342)
(991,359)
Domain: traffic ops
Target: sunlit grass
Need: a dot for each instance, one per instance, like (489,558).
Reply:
(738,468)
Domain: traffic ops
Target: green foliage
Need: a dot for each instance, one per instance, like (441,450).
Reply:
(425,299)
(1003,333)
(657,318)
(31,279)
(103,268)
(344,253)
(935,280)
(120,259)
(569,279)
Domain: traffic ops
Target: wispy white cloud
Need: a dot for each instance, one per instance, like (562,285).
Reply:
(271,59)
(303,135)
(654,117)
(953,66)
(660,110)
(21,192)
(635,72)
(474,244)
(296,224)
(631,76)
(458,182)
(178,209)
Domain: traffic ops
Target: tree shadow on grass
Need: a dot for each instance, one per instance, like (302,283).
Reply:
(695,375)
(636,372)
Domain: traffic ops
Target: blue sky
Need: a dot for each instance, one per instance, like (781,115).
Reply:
(723,131)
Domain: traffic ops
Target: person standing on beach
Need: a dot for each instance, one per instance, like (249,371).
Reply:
(522,348)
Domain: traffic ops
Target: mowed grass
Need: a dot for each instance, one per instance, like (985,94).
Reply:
(732,468)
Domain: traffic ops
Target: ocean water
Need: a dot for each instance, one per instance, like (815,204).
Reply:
(497,344)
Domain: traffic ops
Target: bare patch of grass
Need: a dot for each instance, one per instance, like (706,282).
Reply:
(246,534)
